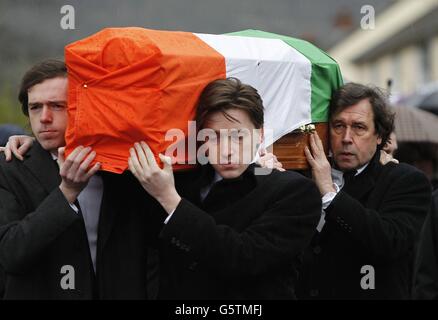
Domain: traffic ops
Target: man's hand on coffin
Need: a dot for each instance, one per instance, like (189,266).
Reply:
(75,171)
(159,183)
(17,146)
(270,161)
(321,169)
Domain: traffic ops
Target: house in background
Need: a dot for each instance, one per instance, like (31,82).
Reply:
(402,47)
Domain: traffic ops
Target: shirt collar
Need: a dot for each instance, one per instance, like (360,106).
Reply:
(217,177)
(338,175)
(359,171)
(337,172)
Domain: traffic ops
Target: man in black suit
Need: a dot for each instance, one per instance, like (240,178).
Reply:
(229,232)
(426,262)
(372,213)
(52,228)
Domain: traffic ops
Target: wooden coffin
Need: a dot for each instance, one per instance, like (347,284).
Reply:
(290,148)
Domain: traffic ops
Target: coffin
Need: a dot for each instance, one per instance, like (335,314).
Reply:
(290,148)
(132,84)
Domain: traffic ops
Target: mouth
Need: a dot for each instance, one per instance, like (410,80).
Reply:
(228,165)
(48,134)
(346,154)
(48,131)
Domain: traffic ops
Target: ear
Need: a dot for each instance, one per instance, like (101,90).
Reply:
(379,140)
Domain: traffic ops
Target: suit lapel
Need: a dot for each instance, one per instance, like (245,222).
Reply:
(117,190)
(189,184)
(363,183)
(41,164)
(227,192)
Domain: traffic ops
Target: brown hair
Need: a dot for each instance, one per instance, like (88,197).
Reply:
(224,94)
(352,93)
(44,70)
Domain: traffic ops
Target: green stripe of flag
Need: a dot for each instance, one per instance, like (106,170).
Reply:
(325,78)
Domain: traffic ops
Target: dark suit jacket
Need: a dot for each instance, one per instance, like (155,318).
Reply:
(426,264)
(375,220)
(40,233)
(242,242)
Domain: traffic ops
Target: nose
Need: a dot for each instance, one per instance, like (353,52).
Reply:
(227,150)
(46,115)
(347,137)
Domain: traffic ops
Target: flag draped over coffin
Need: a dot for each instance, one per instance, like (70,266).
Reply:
(132,84)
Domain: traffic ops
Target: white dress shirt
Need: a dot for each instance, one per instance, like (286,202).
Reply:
(338,184)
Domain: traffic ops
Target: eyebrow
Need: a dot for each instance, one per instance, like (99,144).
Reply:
(354,122)
(49,102)
(31,104)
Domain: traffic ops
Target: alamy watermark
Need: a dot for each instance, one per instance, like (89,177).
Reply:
(368,281)
(68,19)
(368,21)
(224,146)
(68,279)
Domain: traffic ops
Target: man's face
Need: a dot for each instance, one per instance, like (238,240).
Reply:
(234,144)
(352,136)
(47,105)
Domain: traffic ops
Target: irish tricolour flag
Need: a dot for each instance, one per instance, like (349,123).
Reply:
(132,84)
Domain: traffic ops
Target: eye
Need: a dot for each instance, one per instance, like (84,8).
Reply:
(338,127)
(212,138)
(58,106)
(34,107)
(235,136)
(359,127)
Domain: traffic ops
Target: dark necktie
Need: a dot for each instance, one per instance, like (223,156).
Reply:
(76,203)
(349,176)
(212,190)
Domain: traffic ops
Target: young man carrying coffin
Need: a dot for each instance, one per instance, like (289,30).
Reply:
(229,233)
(64,230)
